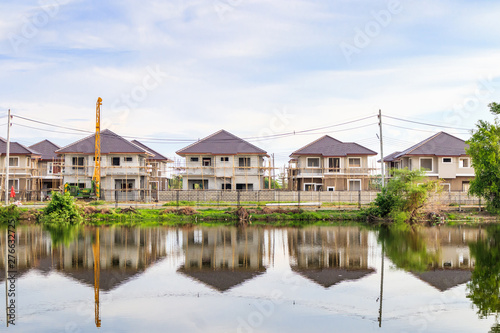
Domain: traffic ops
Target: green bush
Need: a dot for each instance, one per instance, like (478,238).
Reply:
(8,213)
(62,209)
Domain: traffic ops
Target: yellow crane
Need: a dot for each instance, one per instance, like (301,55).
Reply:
(96,247)
(97,164)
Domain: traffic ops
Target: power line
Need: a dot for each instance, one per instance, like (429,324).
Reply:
(427,124)
(421,130)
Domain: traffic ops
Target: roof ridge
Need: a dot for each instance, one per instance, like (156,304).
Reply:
(419,144)
(310,143)
(200,140)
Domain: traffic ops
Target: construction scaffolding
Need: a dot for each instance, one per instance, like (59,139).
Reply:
(331,179)
(23,179)
(223,172)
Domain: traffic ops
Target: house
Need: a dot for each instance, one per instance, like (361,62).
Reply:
(223,161)
(328,164)
(23,166)
(442,156)
(158,168)
(328,256)
(223,258)
(49,167)
(124,174)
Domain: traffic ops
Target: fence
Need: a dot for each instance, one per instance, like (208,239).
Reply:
(339,198)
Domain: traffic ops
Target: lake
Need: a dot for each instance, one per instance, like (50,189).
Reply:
(225,279)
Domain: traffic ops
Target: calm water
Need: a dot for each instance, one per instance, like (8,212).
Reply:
(316,279)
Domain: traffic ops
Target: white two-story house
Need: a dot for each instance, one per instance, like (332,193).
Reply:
(223,161)
(124,173)
(441,156)
(328,164)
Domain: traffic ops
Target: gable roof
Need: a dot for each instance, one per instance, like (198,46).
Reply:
(110,143)
(221,143)
(328,146)
(47,149)
(328,277)
(440,144)
(444,279)
(16,149)
(221,279)
(391,157)
(157,156)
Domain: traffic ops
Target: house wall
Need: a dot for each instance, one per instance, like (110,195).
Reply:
(221,172)
(335,179)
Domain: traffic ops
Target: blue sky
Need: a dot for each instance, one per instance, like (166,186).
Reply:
(184,69)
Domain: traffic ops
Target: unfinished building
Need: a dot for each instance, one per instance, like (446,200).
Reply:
(49,173)
(124,173)
(23,170)
(223,161)
(158,169)
(328,164)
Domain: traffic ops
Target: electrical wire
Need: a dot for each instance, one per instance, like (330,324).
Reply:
(427,124)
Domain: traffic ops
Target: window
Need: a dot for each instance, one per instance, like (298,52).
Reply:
(13,161)
(446,187)
(115,161)
(15,183)
(77,162)
(28,162)
(354,185)
(426,164)
(355,162)
(465,186)
(334,164)
(127,159)
(50,169)
(446,159)
(244,162)
(464,163)
(224,159)
(194,159)
(313,162)
(248,187)
(330,188)
(226,186)
(206,161)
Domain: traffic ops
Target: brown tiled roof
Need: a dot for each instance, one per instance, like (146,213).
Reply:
(222,279)
(110,143)
(328,277)
(157,156)
(328,146)
(391,157)
(444,279)
(221,143)
(440,144)
(16,149)
(47,149)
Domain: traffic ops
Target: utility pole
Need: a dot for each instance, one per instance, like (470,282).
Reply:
(381,147)
(7,158)
(273,173)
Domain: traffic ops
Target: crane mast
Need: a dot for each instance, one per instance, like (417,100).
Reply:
(97,164)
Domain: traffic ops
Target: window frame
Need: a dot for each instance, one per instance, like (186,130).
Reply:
(426,158)
(313,158)
(354,180)
(460,164)
(16,159)
(443,160)
(354,158)
(194,159)
(113,159)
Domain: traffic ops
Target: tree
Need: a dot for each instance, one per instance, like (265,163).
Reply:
(484,150)
(405,195)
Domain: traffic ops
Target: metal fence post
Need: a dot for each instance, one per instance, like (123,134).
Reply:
(359,199)
(459,202)
(177,194)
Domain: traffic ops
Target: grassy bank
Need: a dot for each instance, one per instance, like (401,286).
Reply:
(172,216)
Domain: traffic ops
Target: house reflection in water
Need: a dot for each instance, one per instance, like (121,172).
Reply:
(329,256)
(455,264)
(224,257)
(124,253)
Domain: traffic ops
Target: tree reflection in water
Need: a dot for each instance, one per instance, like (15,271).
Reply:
(407,249)
(484,287)
(63,235)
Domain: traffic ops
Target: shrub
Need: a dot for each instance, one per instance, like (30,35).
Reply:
(62,209)
(9,213)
